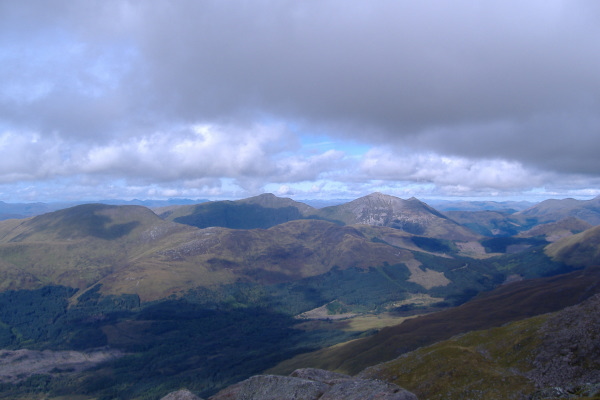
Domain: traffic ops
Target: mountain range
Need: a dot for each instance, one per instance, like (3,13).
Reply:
(204,295)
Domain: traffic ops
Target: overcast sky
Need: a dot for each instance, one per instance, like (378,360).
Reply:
(305,99)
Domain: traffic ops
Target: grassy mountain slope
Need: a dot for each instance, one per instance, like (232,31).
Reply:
(544,356)
(507,303)
(284,253)
(78,246)
(582,249)
(410,215)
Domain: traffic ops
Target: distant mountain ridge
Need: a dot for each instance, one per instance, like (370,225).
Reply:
(553,210)
(26,210)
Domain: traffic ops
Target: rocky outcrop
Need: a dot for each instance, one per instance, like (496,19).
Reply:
(312,384)
(569,356)
(305,384)
(181,395)
(273,387)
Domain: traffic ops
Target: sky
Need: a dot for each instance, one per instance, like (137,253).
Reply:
(308,99)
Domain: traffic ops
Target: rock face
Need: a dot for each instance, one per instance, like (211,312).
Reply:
(570,353)
(273,387)
(312,384)
(181,395)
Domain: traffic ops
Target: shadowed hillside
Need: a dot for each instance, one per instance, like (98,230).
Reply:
(262,211)
(507,303)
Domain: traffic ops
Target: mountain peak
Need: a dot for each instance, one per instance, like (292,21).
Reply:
(269,200)
(412,216)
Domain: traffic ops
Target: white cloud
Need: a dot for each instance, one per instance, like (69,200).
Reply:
(445,171)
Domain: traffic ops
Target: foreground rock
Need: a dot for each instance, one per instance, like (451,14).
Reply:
(181,395)
(569,355)
(306,384)
(312,384)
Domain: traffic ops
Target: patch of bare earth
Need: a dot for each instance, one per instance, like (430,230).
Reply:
(427,278)
(474,249)
(323,313)
(18,365)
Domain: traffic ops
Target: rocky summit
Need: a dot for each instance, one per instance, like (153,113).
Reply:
(305,384)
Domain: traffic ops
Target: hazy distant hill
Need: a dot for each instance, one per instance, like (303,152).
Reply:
(554,231)
(26,210)
(410,215)
(490,223)
(554,210)
(463,205)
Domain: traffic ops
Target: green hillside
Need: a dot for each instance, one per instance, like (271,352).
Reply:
(507,303)
(79,246)
(549,356)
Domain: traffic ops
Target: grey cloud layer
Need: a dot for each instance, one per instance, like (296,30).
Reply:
(498,80)
(495,79)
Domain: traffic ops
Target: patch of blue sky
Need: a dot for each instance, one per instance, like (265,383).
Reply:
(322,143)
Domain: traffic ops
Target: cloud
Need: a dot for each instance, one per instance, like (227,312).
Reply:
(444,171)
(198,155)
(487,79)
(497,95)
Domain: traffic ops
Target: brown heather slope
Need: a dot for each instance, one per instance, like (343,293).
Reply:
(507,303)
(284,253)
